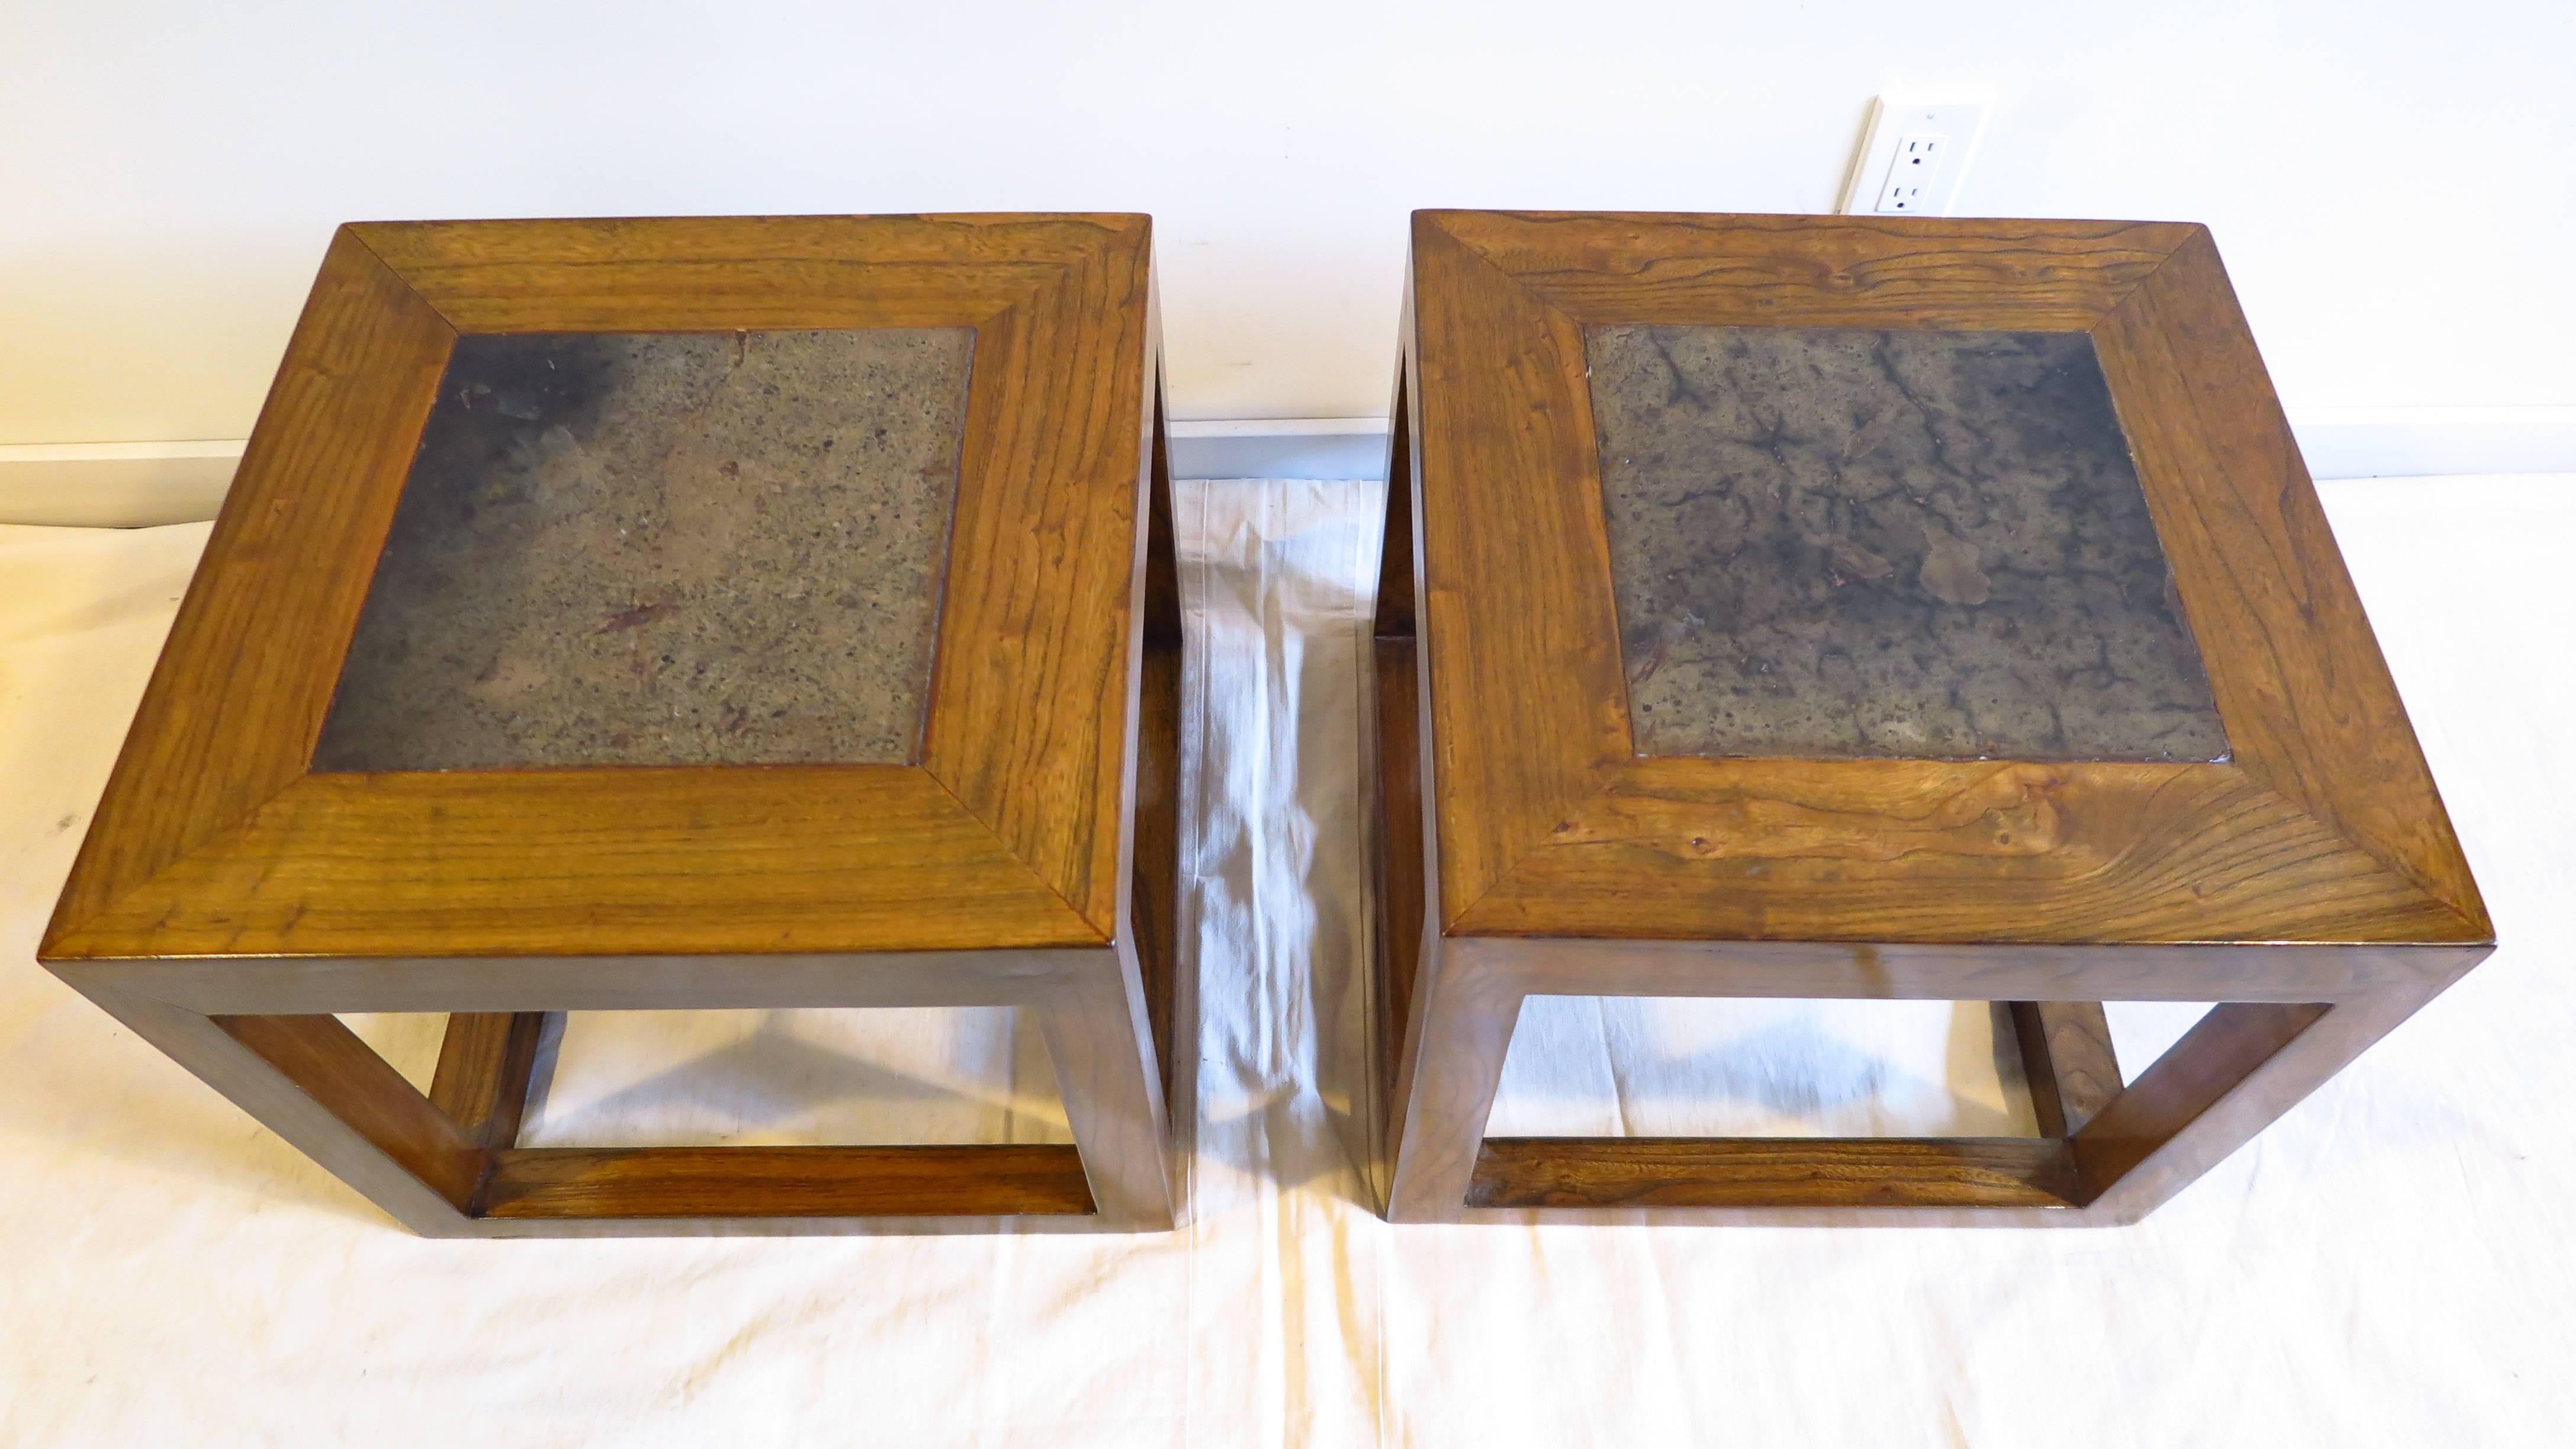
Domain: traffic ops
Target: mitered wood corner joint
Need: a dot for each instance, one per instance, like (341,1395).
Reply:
(672,613)
(1874,607)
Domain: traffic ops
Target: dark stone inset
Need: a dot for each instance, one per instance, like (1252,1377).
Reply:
(663,549)
(1838,542)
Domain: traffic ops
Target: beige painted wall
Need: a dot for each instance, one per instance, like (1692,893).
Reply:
(2388,181)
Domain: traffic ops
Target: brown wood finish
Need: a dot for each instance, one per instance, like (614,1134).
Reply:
(227,897)
(2069,1061)
(271,985)
(328,1063)
(1155,893)
(1548,818)
(230,716)
(2308,700)
(487,1064)
(2284,974)
(324,1130)
(2219,1052)
(1400,867)
(721,273)
(1929,850)
(1100,1038)
(1402,941)
(1031,701)
(814,1182)
(1760,1172)
(1816,271)
(1397,557)
(1457,1031)
(593,862)
(2312,878)
(1154,872)
(1532,756)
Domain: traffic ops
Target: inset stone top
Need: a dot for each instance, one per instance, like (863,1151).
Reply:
(663,549)
(1835,542)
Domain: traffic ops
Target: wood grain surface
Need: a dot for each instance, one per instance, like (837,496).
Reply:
(1548,822)
(813,1182)
(227,897)
(723,273)
(211,840)
(1515,567)
(1708,1172)
(487,1063)
(327,1062)
(1817,271)
(601,862)
(2068,1060)
(362,1148)
(2310,882)
(238,696)
(2217,1055)
(2308,701)
(1028,714)
(1920,850)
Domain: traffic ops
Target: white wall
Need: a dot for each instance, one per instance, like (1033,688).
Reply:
(2387,178)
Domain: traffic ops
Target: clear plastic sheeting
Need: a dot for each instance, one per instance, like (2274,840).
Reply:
(2389,1265)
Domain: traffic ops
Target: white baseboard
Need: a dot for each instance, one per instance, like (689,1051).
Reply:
(115,485)
(129,485)
(2338,443)
(2434,442)
(1331,449)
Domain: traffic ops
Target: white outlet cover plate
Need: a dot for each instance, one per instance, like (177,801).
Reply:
(1891,119)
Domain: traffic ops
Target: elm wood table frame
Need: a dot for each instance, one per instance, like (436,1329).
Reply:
(2311,882)
(227,897)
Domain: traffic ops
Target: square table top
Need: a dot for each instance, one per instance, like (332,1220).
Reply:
(1887,579)
(664,587)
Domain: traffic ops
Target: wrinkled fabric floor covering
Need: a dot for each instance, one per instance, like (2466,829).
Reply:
(2389,1265)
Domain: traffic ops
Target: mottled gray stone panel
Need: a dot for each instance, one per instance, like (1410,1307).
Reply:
(663,549)
(1836,542)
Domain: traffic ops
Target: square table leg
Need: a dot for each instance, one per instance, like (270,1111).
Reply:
(2105,1157)
(447,1163)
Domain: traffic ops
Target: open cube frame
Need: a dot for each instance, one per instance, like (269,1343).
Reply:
(228,899)
(2310,883)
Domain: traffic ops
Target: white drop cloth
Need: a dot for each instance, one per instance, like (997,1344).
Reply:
(2390,1265)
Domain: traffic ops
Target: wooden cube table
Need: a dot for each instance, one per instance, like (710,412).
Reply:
(1843,607)
(670,614)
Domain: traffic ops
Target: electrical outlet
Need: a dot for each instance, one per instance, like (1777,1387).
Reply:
(1912,172)
(1912,157)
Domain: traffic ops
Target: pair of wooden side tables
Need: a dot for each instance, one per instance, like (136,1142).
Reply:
(782,612)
